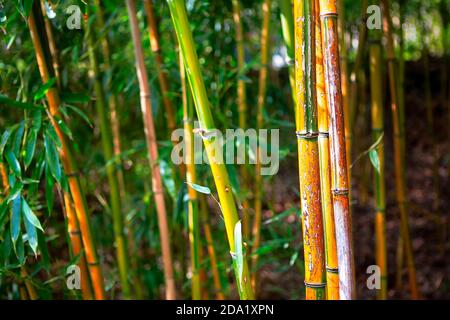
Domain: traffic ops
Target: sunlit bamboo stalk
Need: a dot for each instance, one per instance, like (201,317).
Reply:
(150,136)
(68,162)
(340,182)
(399,150)
(287,27)
(331,261)
(308,149)
(207,127)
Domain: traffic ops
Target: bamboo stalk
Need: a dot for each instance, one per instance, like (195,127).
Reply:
(112,101)
(150,136)
(308,149)
(262,88)
(162,77)
(242,107)
(211,251)
(69,165)
(287,27)
(111,172)
(76,243)
(202,105)
(325,167)
(191,178)
(340,182)
(376,82)
(399,151)
(73,228)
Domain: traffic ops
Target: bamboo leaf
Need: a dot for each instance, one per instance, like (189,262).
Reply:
(30,216)
(13,163)
(374,159)
(50,131)
(80,113)
(52,158)
(75,97)
(15,191)
(30,147)
(4,140)
(3,214)
(49,194)
(4,100)
(26,6)
(31,234)
(15,219)
(18,139)
(45,257)
(42,91)
(64,128)
(238,250)
(199,188)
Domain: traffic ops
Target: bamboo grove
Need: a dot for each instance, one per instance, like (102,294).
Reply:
(117,180)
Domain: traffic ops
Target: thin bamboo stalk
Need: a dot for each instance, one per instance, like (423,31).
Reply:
(376,82)
(149,128)
(308,149)
(211,251)
(325,167)
(287,27)
(52,45)
(191,178)
(111,172)
(242,107)
(112,101)
(340,182)
(399,151)
(207,127)
(262,85)
(162,77)
(69,165)
(76,243)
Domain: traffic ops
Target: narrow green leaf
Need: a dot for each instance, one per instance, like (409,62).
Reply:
(374,159)
(13,163)
(199,188)
(52,158)
(80,114)
(42,91)
(30,147)
(18,139)
(45,257)
(4,140)
(75,97)
(49,194)
(31,234)
(51,132)
(64,128)
(14,191)
(15,219)
(30,216)
(4,100)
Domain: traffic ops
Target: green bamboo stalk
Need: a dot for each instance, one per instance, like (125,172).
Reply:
(287,27)
(308,149)
(106,137)
(220,174)
(376,81)
(191,178)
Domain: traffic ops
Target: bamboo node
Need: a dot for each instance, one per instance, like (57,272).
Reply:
(315,285)
(340,192)
(306,135)
(332,270)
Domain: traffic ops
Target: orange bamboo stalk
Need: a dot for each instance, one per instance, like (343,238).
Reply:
(69,167)
(340,183)
(331,259)
(150,136)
